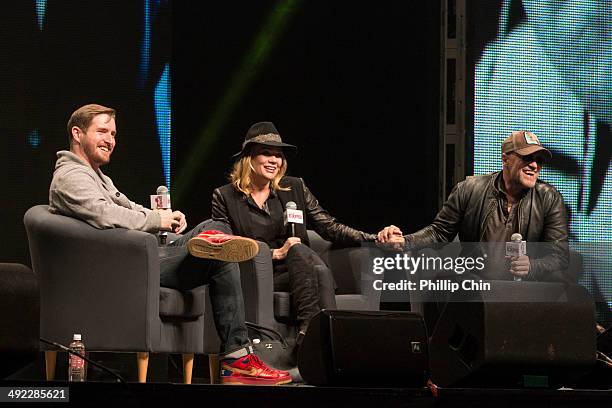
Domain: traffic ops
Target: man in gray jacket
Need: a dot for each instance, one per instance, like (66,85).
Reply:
(205,255)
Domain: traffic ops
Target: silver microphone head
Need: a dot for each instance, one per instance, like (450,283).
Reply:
(291,205)
(516,237)
(162,190)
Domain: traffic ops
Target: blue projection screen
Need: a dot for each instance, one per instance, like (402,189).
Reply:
(546,66)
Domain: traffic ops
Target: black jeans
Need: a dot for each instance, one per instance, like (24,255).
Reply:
(182,271)
(309,281)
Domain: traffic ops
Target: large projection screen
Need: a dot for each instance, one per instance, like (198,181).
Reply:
(546,66)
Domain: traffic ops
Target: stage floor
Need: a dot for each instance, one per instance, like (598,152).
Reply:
(292,396)
(164,389)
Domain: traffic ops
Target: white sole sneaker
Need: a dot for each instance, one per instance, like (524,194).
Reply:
(237,249)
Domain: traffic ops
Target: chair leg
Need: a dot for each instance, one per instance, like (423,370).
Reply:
(143,365)
(50,362)
(213,368)
(187,367)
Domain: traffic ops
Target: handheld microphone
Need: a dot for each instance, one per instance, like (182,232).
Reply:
(293,216)
(516,248)
(161,201)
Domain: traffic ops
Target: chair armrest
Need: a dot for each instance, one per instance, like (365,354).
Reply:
(361,271)
(258,287)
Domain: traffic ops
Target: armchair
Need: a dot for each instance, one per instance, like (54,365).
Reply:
(104,284)
(272,309)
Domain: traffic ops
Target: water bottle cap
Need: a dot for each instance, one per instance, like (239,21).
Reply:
(76,337)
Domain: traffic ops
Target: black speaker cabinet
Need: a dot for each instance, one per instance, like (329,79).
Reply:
(359,348)
(543,338)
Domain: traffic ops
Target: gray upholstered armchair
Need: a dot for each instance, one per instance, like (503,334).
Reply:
(272,309)
(104,284)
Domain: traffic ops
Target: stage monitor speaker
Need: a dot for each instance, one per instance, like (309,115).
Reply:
(363,348)
(496,341)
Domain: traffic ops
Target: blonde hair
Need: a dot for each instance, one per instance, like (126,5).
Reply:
(240,177)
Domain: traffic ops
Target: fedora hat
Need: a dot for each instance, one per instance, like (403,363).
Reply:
(263,133)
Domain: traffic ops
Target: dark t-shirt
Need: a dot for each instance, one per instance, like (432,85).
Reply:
(267,223)
(499,227)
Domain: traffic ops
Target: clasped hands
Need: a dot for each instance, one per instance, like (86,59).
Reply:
(174,221)
(390,236)
(393,237)
(281,253)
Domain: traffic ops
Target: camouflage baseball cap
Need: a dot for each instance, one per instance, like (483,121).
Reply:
(524,143)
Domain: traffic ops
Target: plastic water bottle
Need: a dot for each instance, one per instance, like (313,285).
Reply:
(76,365)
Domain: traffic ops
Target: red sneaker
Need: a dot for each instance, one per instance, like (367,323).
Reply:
(258,361)
(250,370)
(222,247)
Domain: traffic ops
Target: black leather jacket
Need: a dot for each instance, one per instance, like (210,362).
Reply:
(229,205)
(541,218)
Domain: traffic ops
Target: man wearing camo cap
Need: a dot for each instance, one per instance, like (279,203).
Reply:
(492,207)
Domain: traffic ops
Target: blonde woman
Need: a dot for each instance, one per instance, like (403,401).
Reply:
(253,203)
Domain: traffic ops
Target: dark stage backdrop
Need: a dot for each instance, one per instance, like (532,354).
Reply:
(355,86)
(58,55)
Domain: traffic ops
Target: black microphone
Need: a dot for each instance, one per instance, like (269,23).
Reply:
(293,216)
